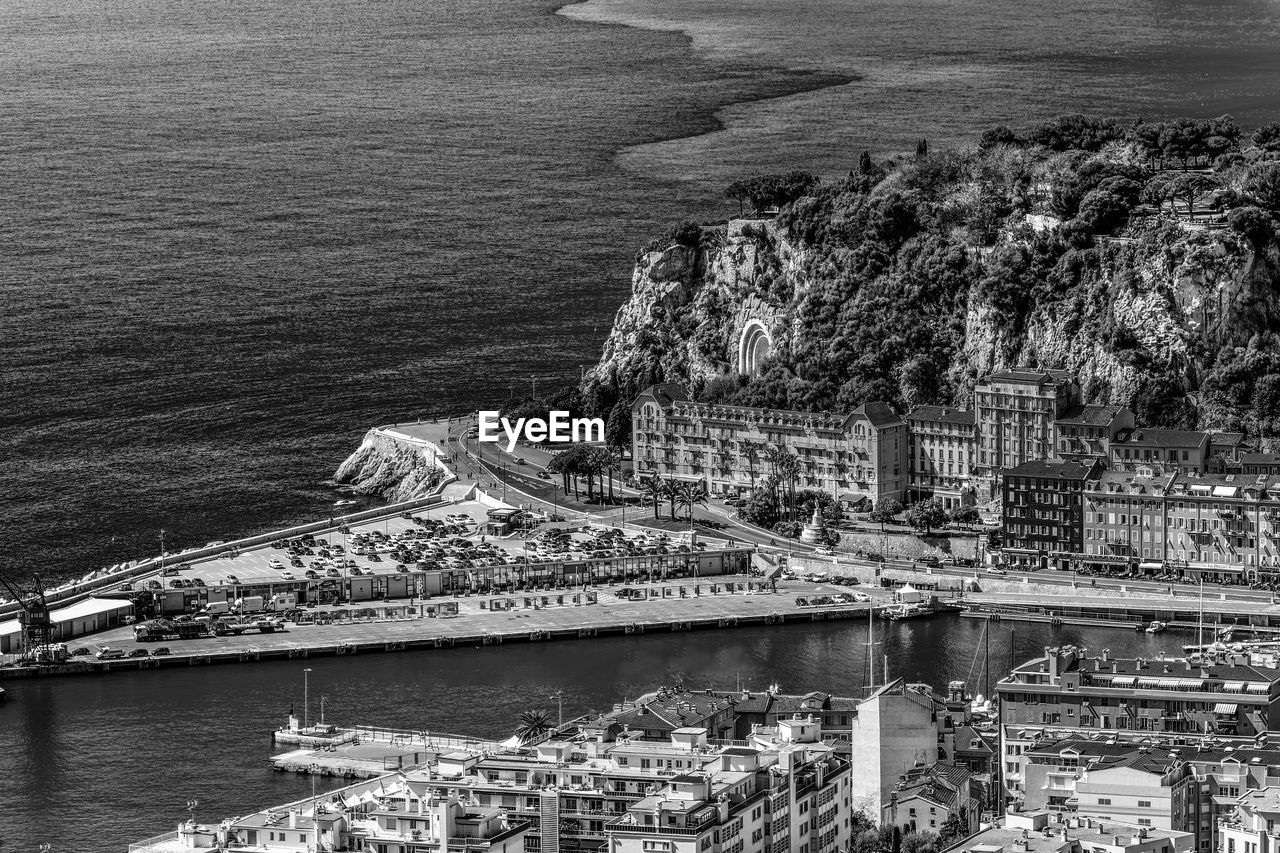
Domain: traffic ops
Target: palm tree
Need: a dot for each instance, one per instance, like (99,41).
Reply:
(671,489)
(531,725)
(751,452)
(787,468)
(615,464)
(692,495)
(653,489)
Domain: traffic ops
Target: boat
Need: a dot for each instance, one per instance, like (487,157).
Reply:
(1156,627)
(344,502)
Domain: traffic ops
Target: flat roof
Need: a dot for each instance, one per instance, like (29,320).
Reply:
(9,626)
(89,607)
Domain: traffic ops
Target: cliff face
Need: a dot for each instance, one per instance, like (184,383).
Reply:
(1126,313)
(396,470)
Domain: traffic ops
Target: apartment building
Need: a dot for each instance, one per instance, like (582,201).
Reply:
(857,457)
(1015,412)
(1085,433)
(394,814)
(1218,527)
(786,792)
(1046,832)
(1252,825)
(766,708)
(1164,451)
(1067,691)
(1041,512)
(1177,783)
(929,796)
(943,444)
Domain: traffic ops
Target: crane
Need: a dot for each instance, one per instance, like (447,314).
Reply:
(37,627)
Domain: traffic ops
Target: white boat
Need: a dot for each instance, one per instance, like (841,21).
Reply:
(1156,627)
(344,503)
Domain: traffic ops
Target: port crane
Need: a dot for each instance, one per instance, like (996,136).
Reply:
(33,618)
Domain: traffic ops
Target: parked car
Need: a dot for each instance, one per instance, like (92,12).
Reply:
(311,574)
(110,654)
(995,571)
(160,652)
(80,652)
(139,653)
(543,475)
(232,579)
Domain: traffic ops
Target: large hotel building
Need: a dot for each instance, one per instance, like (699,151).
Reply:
(856,457)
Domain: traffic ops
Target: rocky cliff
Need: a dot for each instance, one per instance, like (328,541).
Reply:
(395,469)
(908,285)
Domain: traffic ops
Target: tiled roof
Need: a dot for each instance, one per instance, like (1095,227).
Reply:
(1090,415)
(942,414)
(1060,470)
(1153,437)
(664,394)
(878,413)
(1029,375)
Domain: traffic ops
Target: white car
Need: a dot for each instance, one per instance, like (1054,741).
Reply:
(994,571)
(288,576)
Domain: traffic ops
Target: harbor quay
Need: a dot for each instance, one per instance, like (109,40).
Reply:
(471,621)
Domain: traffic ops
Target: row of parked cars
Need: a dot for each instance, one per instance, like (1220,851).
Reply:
(108,653)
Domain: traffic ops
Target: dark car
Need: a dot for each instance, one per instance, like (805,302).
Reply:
(198,581)
(176,583)
(232,579)
(543,475)
(876,558)
(311,574)
(154,585)
(374,558)
(80,652)
(160,652)
(139,653)
(296,563)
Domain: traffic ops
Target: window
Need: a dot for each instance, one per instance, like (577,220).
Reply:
(1144,804)
(1104,801)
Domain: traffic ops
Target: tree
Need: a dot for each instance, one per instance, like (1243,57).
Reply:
(671,489)
(920,842)
(1263,184)
(922,149)
(966,516)
(884,511)
(865,166)
(1076,132)
(762,508)
(617,428)
(532,725)
(652,488)
(926,515)
(751,452)
(1267,137)
(692,495)
(954,828)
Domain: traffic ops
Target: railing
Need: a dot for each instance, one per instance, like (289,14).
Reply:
(163,842)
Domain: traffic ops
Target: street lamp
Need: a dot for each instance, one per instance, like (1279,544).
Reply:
(305,689)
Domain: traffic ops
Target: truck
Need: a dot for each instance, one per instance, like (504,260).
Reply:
(157,630)
(216,608)
(262,624)
(249,604)
(282,601)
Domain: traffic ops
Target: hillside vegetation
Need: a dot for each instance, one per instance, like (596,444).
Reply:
(1144,257)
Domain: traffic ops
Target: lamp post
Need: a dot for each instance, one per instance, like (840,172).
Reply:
(305,690)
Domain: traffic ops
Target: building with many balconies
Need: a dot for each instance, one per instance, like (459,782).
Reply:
(942,448)
(1015,412)
(856,457)
(1067,691)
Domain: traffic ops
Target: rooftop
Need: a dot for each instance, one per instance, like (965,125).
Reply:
(1090,415)
(1058,470)
(1154,437)
(1029,376)
(943,414)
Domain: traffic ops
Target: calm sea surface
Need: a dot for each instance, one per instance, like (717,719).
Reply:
(89,764)
(235,233)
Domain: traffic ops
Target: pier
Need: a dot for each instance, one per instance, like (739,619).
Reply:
(724,603)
